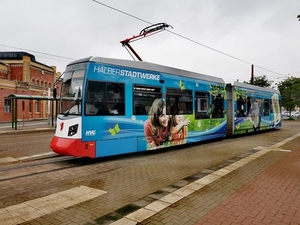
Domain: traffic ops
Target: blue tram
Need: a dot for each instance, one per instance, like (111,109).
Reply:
(113,106)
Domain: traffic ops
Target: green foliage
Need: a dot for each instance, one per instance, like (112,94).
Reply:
(239,92)
(247,125)
(260,81)
(218,90)
(204,124)
(290,92)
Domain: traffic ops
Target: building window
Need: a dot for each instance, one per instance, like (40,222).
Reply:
(30,106)
(7,105)
(47,108)
(37,105)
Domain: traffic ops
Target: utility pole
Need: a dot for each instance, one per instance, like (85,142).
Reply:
(252,74)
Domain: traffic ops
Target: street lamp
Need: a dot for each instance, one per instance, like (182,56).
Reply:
(298,17)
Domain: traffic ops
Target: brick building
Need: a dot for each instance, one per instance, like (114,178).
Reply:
(21,74)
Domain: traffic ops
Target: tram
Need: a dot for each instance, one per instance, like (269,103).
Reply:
(114,106)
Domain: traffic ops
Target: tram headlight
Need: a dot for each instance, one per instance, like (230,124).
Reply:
(73,130)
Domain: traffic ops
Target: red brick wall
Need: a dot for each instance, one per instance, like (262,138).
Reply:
(16,72)
(46,77)
(3,75)
(8,88)
(4,117)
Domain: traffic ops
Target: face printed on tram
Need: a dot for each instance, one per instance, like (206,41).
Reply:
(163,119)
(178,119)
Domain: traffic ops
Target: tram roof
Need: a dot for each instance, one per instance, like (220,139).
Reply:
(150,66)
(249,86)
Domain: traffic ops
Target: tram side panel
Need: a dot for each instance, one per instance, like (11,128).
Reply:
(255,109)
(115,105)
(200,102)
(203,103)
(108,115)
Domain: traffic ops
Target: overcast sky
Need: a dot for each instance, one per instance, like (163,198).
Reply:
(265,33)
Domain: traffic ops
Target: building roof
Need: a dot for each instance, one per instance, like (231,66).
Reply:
(16,55)
(19,56)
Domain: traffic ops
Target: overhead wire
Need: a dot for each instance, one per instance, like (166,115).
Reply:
(43,53)
(189,39)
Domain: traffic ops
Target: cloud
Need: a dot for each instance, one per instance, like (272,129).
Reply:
(264,33)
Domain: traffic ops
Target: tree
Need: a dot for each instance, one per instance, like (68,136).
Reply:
(261,81)
(290,92)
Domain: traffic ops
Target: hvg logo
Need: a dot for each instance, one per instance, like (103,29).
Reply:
(90,133)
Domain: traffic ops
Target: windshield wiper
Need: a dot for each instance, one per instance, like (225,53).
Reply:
(67,113)
(77,101)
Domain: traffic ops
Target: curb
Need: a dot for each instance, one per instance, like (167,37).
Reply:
(34,130)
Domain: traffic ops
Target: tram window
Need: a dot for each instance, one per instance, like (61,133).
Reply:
(217,107)
(250,101)
(266,107)
(259,105)
(241,107)
(254,106)
(104,98)
(201,105)
(179,101)
(143,97)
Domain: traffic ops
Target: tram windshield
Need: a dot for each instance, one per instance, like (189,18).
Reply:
(72,92)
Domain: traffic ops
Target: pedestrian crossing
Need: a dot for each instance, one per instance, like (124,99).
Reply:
(35,208)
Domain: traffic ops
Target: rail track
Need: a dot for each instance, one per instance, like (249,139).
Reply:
(32,166)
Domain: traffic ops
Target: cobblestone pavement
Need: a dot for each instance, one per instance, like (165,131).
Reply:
(272,197)
(264,189)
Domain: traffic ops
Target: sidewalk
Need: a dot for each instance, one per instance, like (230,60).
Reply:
(262,188)
(270,198)
(27,127)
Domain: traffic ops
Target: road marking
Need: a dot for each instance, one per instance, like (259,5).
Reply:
(160,204)
(35,156)
(35,208)
(284,150)
(11,159)
(7,160)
